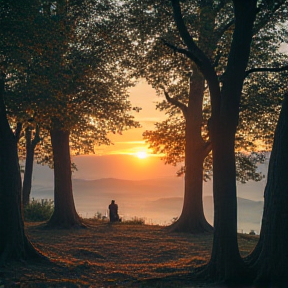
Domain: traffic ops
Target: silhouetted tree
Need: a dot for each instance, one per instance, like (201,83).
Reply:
(14,244)
(269,259)
(225,262)
(183,136)
(74,84)
(29,161)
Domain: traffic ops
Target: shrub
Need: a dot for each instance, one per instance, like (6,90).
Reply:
(38,210)
(98,216)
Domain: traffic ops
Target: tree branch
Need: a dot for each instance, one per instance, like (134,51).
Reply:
(197,53)
(221,30)
(199,57)
(36,138)
(266,69)
(207,148)
(182,51)
(175,102)
(18,130)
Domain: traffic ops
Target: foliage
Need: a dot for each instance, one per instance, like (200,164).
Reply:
(211,24)
(63,72)
(38,210)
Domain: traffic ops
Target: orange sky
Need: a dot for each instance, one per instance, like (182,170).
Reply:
(120,160)
(131,141)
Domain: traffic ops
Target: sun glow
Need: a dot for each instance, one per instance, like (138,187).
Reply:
(141,154)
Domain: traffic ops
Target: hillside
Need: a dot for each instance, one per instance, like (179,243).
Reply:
(118,255)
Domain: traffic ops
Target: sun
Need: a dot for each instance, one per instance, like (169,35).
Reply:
(141,155)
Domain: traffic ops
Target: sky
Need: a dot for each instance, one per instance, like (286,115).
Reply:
(121,160)
(131,141)
(142,95)
(126,158)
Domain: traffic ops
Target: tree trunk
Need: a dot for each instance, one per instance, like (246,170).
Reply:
(30,148)
(65,214)
(269,259)
(14,244)
(226,263)
(192,219)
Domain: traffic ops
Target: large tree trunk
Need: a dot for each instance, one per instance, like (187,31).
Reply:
(226,263)
(192,219)
(269,259)
(30,148)
(14,244)
(65,214)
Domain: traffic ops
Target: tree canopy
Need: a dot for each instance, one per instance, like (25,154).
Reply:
(211,27)
(68,74)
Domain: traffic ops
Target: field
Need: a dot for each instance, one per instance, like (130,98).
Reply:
(118,255)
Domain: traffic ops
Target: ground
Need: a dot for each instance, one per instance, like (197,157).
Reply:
(113,255)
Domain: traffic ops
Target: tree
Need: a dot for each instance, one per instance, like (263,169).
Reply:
(76,84)
(192,218)
(14,244)
(184,137)
(30,150)
(225,262)
(162,72)
(15,62)
(268,260)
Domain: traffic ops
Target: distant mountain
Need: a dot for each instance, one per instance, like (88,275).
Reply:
(150,188)
(163,204)
(249,211)
(158,200)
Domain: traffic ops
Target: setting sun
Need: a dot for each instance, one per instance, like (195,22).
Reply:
(141,154)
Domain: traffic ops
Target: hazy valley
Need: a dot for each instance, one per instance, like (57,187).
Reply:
(157,200)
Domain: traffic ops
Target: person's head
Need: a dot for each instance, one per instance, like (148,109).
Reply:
(113,201)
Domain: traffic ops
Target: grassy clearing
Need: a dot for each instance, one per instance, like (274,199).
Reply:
(113,255)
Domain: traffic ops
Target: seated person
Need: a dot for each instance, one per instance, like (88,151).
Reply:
(113,212)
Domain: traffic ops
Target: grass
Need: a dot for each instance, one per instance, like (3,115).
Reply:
(134,221)
(113,255)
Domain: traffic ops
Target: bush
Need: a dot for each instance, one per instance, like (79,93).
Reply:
(38,210)
(98,216)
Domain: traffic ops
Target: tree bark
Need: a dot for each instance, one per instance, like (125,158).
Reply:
(226,263)
(192,218)
(65,215)
(14,244)
(269,259)
(30,148)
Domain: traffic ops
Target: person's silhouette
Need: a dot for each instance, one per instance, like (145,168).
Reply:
(113,212)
